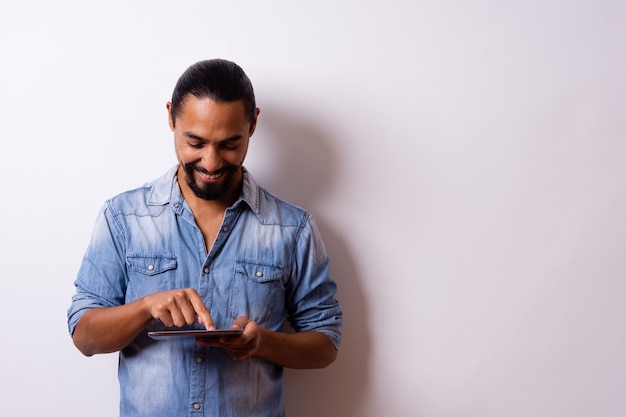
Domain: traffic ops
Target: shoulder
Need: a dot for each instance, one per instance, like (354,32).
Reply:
(273,208)
(143,199)
(270,209)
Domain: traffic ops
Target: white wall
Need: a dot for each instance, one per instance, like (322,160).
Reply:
(466,161)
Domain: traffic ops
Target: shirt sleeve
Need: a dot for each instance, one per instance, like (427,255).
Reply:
(101,280)
(312,305)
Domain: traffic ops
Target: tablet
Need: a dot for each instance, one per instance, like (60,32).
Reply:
(166,334)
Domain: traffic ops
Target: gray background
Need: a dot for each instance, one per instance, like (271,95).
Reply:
(465,161)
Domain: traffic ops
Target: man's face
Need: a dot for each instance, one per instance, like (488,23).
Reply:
(211,141)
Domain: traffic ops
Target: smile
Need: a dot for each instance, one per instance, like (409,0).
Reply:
(210,176)
(206,177)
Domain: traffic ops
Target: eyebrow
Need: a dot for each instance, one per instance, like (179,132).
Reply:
(193,136)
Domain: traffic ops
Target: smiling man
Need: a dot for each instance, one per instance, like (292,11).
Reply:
(205,247)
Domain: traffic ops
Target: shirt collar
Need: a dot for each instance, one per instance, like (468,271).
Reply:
(166,190)
(250,192)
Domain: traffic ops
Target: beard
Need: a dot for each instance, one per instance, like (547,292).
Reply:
(210,191)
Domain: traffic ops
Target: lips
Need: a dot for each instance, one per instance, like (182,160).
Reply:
(210,176)
(206,177)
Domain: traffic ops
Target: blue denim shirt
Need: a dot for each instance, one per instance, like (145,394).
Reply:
(267,263)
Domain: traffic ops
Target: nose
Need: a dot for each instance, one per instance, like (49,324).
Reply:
(211,160)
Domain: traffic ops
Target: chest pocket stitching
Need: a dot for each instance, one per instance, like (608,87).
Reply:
(259,272)
(151,264)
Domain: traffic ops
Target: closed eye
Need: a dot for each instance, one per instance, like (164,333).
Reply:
(231,143)
(230,146)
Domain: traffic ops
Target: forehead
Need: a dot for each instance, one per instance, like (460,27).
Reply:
(194,110)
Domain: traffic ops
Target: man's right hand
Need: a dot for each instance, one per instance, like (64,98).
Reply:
(109,329)
(179,307)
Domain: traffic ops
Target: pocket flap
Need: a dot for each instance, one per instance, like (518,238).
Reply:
(259,272)
(151,264)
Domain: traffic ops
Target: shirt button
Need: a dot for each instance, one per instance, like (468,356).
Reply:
(199,360)
(176,205)
(206,270)
(196,406)
(150,267)
(259,274)
(225,229)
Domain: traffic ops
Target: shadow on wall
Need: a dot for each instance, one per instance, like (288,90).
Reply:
(303,166)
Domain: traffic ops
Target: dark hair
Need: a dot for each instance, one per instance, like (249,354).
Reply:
(218,79)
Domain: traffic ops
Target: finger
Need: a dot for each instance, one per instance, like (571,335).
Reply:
(204,316)
(187,311)
(178,317)
(238,352)
(165,317)
(240,322)
(161,310)
(209,341)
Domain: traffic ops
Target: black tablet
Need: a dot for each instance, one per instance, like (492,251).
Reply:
(166,334)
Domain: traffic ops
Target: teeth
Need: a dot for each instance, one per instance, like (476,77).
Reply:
(211,177)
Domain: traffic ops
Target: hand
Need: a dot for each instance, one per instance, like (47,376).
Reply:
(240,347)
(179,307)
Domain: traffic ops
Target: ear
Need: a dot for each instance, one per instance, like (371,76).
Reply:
(170,119)
(253,124)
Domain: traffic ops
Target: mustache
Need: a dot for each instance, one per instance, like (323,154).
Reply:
(225,169)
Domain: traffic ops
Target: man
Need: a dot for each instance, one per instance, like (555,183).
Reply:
(205,247)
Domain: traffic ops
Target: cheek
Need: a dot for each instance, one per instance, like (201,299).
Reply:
(186,154)
(242,156)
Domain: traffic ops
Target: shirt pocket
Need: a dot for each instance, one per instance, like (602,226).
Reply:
(149,273)
(258,293)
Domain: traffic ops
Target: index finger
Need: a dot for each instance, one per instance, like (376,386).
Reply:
(204,316)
